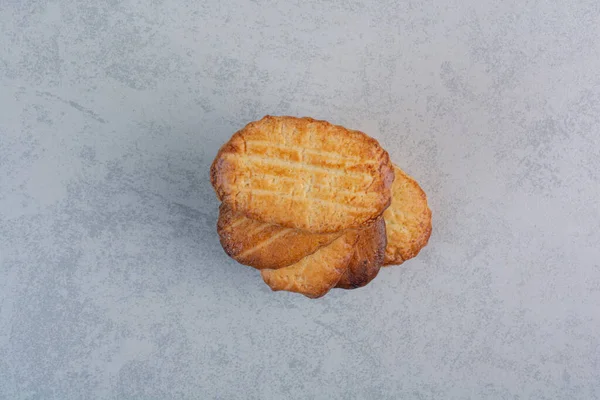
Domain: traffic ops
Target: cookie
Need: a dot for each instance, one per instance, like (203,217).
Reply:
(304,174)
(263,245)
(315,274)
(407,220)
(368,256)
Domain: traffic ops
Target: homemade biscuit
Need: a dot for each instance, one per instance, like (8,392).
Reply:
(407,220)
(369,252)
(315,274)
(303,173)
(263,245)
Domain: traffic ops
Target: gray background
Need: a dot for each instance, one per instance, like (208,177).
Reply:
(112,280)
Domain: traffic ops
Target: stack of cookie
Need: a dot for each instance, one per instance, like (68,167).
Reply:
(315,206)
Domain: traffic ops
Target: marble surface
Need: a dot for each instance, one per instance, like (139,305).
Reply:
(112,281)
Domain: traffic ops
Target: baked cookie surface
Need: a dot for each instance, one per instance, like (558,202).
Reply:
(407,220)
(262,245)
(369,252)
(303,173)
(315,274)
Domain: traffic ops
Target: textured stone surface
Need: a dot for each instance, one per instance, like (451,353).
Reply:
(112,281)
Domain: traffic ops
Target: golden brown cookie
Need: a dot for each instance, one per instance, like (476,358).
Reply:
(263,245)
(317,273)
(368,256)
(304,174)
(407,220)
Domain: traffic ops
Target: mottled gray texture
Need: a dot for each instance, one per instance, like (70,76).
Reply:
(112,281)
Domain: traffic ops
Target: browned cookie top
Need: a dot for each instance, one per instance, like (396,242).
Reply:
(262,245)
(316,274)
(305,174)
(368,256)
(407,220)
